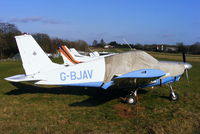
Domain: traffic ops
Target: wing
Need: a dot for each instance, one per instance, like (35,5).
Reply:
(138,77)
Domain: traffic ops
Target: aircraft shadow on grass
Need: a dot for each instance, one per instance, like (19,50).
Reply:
(97,95)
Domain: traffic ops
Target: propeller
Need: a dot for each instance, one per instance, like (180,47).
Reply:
(187,66)
(186,73)
(184,58)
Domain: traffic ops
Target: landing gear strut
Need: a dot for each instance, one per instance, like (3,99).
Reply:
(132,98)
(173,96)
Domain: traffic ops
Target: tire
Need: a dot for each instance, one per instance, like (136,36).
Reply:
(131,99)
(172,98)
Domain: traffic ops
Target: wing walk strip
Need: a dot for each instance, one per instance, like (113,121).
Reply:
(66,53)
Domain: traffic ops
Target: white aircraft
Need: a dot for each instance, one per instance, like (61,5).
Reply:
(134,68)
(71,56)
(76,53)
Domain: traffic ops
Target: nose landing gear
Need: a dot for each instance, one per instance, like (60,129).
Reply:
(173,96)
(132,97)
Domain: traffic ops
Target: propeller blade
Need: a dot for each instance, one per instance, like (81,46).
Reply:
(186,73)
(184,58)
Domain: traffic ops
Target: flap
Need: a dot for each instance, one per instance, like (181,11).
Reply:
(143,73)
(146,74)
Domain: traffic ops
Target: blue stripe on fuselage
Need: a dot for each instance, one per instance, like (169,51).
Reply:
(87,84)
(157,82)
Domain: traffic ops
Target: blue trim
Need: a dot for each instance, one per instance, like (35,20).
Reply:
(166,80)
(88,84)
(107,85)
(143,73)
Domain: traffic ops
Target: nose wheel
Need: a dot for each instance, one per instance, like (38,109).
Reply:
(173,96)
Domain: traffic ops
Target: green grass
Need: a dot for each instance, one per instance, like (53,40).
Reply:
(26,108)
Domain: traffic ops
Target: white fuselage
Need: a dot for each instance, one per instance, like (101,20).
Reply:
(93,71)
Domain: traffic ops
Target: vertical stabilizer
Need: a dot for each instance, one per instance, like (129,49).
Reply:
(68,56)
(33,57)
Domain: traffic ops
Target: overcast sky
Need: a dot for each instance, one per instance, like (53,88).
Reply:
(137,21)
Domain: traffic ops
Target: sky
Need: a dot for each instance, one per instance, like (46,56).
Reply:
(136,21)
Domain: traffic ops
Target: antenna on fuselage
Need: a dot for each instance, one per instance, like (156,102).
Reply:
(90,49)
(128,44)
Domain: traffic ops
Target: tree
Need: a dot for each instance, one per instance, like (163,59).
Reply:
(44,41)
(8,45)
(102,42)
(114,44)
(181,47)
(139,46)
(81,45)
(55,43)
(2,45)
(9,28)
(95,43)
(195,48)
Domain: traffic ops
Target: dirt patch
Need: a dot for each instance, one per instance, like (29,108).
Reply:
(126,111)
(123,110)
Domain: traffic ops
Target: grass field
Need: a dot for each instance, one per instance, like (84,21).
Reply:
(27,109)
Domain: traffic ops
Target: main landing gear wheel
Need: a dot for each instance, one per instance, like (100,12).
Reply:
(173,96)
(131,99)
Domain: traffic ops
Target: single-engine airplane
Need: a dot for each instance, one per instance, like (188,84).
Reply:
(76,53)
(135,69)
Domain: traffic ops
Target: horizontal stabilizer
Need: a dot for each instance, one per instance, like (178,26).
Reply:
(94,54)
(21,78)
(143,73)
(74,51)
